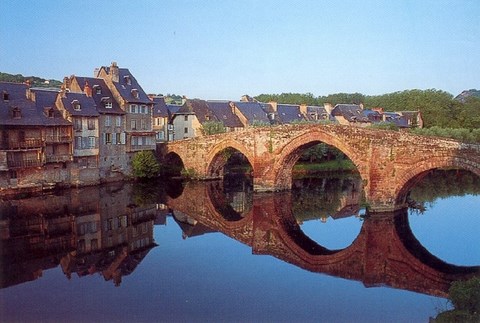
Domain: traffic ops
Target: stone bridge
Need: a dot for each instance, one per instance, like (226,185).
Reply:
(384,253)
(389,162)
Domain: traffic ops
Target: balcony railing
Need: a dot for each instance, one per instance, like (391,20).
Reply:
(25,144)
(24,163)
(142,147)
(57,139)
(58,158)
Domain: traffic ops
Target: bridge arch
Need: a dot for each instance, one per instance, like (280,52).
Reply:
(218,156)
(292,151)
(411,176)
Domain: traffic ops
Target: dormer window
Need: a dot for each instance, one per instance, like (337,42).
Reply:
(76,105)
(48,111)
(107,102)
(128,79)
(5,96)
(17,114)
(135,93)
(97,89)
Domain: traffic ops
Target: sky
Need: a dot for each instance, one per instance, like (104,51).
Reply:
(225,49)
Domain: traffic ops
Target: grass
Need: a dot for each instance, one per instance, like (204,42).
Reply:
(329,166)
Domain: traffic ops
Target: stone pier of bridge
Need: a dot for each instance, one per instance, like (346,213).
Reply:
(389,162)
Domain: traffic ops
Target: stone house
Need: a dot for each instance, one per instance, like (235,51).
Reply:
(253,113)
(35,142)
(286,113)
(161,118)
(133,100)
(349,114)
(187,121)
(111,126)
(228,114)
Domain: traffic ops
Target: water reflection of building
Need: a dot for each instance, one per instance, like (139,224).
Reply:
(87,231)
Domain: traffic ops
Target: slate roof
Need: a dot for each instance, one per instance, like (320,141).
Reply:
(253,111)
(288,113)
(32,113)
(160,108)
(397,119)
(100,98)
(125,88)
(351,112)
(88,108)
(373,116)
(223,112)
(321,112)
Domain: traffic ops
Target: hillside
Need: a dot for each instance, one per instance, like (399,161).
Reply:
(34,80)
(462,97)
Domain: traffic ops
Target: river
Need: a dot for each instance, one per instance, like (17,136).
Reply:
(216,251)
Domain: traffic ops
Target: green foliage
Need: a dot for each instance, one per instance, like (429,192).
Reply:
(34,80)
(465,297)
(145,165)
(438,108)
(189,173)
(213,127)
(461,134)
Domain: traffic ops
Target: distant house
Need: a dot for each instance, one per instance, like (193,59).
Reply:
(286,113)
(316,113)
(228,114)
(350,114)
(253,112)
(187,120)
(160,118)
(414,118)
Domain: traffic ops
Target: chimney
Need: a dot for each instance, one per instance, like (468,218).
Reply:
(361,106)
(303,109)
(114,72)
(232,107)
(96,71)
(328,107)
(87,90)
(273,104)
(66,83)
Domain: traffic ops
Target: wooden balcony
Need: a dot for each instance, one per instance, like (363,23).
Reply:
(18,145)
(52,139)
(58,158)
(15,164)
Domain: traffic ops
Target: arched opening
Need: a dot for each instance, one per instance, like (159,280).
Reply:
(231,165)
(327,194)
(172,165)
(232,202)
(443,213)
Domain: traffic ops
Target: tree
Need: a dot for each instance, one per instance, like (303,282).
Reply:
(213,127)
(145,165)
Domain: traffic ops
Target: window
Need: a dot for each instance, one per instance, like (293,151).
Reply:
(186,118)
(118,121)
(91,124)
(97,89)
(135,93)
(16,113)
(133,125)
(76,105)
(133,108)
(78,142)
(108,104)
(91,142)
(108,121)
(185,130)
(142,109)
(49,113)
(143,124)
(6,96)
(118,138)
(77,124)
(108,138)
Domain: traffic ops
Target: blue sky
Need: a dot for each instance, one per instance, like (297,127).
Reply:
(224,49)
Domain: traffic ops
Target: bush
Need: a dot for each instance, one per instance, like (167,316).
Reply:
(145,165)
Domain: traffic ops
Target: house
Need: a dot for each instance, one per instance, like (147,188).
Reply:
(318,114)
(253,112)
(133,100)
(286,113)
(187,120)
(228,114)
(161,119)
(349,114)
(35,141)
(414,118)
(111,125)
(81,111)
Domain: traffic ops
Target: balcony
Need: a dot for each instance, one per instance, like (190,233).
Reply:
(142,147)
(52,139)
(58,158)
(14,164)
(24,144)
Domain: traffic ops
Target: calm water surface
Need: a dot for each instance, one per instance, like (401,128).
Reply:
(217,252)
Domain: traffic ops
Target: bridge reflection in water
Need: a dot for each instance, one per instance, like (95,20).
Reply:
(385,253)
